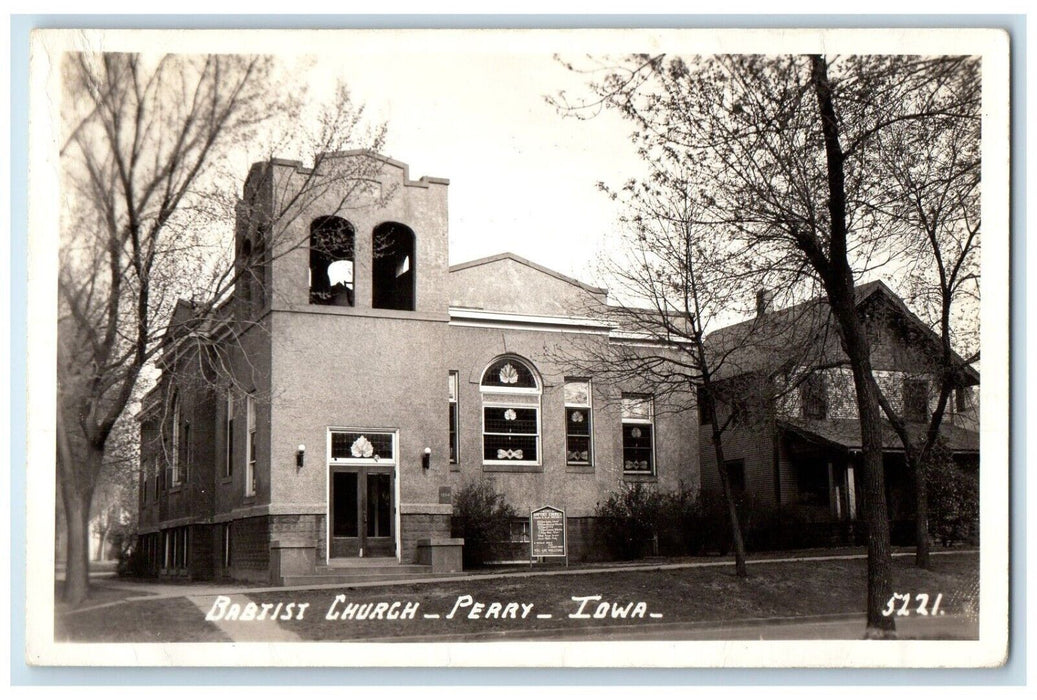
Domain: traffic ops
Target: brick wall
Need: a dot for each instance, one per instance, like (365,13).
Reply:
(250,548)
(200,552)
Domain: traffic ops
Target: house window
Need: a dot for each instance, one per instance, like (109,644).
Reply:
(961,399)
(638,419)
(511,413)
(916,400)
(812,481)
(250,446)
(736,475)
(453,418)
(174,456)
(392,267)
(577,396)
(813,398)
(363,447)
(331,261)
(228,463)
(705,404)
(520,530)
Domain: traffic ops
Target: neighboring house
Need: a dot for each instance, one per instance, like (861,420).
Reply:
(794,442)
(328,410)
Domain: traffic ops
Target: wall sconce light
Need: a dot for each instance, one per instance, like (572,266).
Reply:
(300,454)
(426,458)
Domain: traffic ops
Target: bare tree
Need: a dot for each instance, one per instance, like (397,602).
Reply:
(934,169)
(785,149)
(147,178)
(671,281)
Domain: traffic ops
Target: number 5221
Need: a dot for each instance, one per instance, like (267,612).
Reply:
(900,604)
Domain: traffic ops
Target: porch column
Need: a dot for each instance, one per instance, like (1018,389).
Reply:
(851,493)
(833,493)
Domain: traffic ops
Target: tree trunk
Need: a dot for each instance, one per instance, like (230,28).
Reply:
(729,500)
(102,542)
(77,494)
(837,276)
(876,517)
(77,560)
(922,544)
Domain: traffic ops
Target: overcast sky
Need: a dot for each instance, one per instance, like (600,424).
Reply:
(522,177)
(470,106)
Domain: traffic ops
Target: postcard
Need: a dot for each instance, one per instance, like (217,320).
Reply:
(519,348)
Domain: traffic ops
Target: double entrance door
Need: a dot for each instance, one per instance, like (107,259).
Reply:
(362,513)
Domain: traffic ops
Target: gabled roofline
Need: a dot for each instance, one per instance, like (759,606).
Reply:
(862,292)
(528,263)
(424,181)
(878,286)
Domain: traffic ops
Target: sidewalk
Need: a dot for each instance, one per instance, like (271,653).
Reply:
(819,627)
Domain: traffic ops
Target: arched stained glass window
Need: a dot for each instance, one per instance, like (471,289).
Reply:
(511,413)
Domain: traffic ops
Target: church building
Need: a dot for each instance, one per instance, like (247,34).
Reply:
(324,414)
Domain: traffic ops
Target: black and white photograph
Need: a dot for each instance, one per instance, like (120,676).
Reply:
(518,348)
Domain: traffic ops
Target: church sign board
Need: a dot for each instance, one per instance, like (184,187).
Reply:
(547,533)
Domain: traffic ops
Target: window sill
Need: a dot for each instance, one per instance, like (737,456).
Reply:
(518,468)
(640,477)
(579,468)
(227,480)
(175,489)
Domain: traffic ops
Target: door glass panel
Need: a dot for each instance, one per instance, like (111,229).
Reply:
(344,498)
(379,499)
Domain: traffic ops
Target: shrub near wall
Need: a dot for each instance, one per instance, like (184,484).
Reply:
(629,520)
(639,521)
(483,519)
(953,500)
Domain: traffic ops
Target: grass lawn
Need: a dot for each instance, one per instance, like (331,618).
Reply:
(700,595)
(706,596)
(165,620)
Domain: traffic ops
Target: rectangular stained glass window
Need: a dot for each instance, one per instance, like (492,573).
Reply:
(638,418)
(453,419)
(362,447)
(577,395)
(509,434)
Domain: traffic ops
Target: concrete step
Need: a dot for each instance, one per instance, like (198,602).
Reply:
(372,568)
(346,578)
